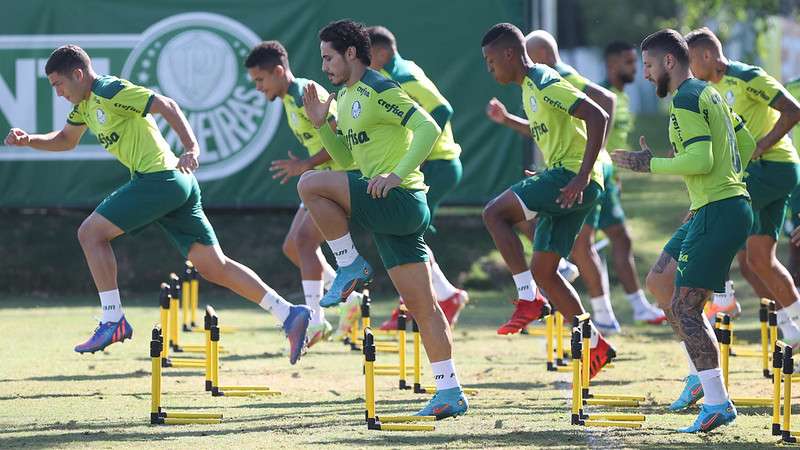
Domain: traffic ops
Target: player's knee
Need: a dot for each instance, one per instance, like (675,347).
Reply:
(492,214)
(757,260)
(210,270)
(88,233)
(289,246)
(306,184)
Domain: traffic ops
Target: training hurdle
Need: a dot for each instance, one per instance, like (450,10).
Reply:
(418,387)
(554,330)
(724,337)
(189,288)
(167,314)
(354,340)
(783,370)
(768,322)
(374,421)
(581,396)
(211,323)
(158,416)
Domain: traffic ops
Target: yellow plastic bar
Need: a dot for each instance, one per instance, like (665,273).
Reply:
(725,350)
(559,319)
(165,332)
(600,423)
(776,396)
(186,301)
(620,417)
(585,363)
(209,357)
(369,388)
(401,351)
(563,369)
(417,363)
(195,298)
(620,397)
(214,363)
(392,366)
(751,401)
(401,419)
(787,402)
(248,393)
(548,347)
(576,386)
(748,353)
(188,415)
(408,427)
(432,390)
(610,402)
(173,321)
(155,385)
(244,388)
(168,421)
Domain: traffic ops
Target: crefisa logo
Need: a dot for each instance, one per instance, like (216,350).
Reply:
(197,59)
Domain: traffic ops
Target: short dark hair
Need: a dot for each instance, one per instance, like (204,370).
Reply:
(703,37)
(67,58)
(668,41)
(346,33)
(504,34)
(616,47)
(380,35)
(267,55)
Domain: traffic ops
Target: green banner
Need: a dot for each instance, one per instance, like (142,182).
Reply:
(193,52)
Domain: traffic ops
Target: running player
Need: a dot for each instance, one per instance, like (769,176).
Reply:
(569,129)
(268,66)
(162,190)
(442,169)
(711,148)
(388,136)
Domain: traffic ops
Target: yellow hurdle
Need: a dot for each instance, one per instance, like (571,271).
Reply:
(167,307)
(158,416)
(724,331)
(581,396)
(418,387)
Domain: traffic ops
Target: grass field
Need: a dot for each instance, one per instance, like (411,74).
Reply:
(52,397)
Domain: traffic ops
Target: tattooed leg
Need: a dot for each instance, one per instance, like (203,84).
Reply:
(696,332)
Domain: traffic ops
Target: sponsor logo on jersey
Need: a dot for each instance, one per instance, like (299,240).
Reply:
(391,108)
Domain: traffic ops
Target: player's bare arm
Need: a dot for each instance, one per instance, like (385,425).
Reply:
(172,113)
(54,141)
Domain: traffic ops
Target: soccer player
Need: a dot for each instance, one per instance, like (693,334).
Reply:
(442,169)
(388,136)
(607,215)
(569,129)
(268,66)
(794,200)
(770,112)
(711,149)
(162,190)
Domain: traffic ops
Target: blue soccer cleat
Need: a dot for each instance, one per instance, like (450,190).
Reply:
(295,327)
(106,334)
(446,403)
(712,417)
(356,276)
(692,392)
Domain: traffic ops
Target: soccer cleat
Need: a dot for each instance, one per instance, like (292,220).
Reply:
(391,322)
(649,314)
(296,326)
(452,306)
(348,279)
(106,334)
(692,392)
(600,355)
(319,332)
(446,403)
(349,312)
(525,312)
(608,328)
(712,416)
(733,310)
(568,270)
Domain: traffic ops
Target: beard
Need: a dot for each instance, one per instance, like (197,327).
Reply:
(627,78)
(662,84)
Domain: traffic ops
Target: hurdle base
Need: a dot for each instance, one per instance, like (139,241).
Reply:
(610,402)
(177,418)
(751,401)
(788,436)
(638,398)
(776,429)
(418,389)
(610,424)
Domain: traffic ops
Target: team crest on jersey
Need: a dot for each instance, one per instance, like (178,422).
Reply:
(101,117)
(730,97)
(293,117)
(197,59)
(355,111)
(533,103)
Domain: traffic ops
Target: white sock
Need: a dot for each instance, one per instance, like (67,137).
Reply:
(344,250)
(692,368)
(444,375)
(789,329)
(312,289)
(714,390)
(562,264)
(792,310)
(111,305)
(729,288)
(602,310)
(441,285)
(328,274)
(275,304)
(638,300)
(526,287)
(723,299)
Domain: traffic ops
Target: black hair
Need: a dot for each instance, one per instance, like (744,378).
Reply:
(616,47)
(505,35)
(267,55)
(346,33)
(380,35)
(668,41)
(67,58)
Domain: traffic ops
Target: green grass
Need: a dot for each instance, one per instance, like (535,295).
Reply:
(52,397)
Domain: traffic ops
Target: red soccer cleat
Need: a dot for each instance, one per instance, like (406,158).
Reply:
(453,305)
(600,356)
(524,313)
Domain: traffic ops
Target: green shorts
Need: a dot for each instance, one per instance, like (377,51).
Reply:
(794,206)
(706,244)
(608,211)
(556,227)
(770,184)
(397,222)
(441,176)
(170,199)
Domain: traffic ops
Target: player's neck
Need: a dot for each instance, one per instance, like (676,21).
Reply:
(356,74)
(289,78)
(616,81)
(678,77)
(90,79)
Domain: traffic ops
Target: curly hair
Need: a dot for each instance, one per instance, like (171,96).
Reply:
(346,33)
(267,55)
(65,59)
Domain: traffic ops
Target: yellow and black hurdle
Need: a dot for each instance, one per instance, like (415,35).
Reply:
(724,332)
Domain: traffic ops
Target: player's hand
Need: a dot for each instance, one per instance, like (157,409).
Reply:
(17,137)
(380,185)
(573,191)
(316,110)
(188,162)
(758,151)
(635,161)
(288,168)
(496,111)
